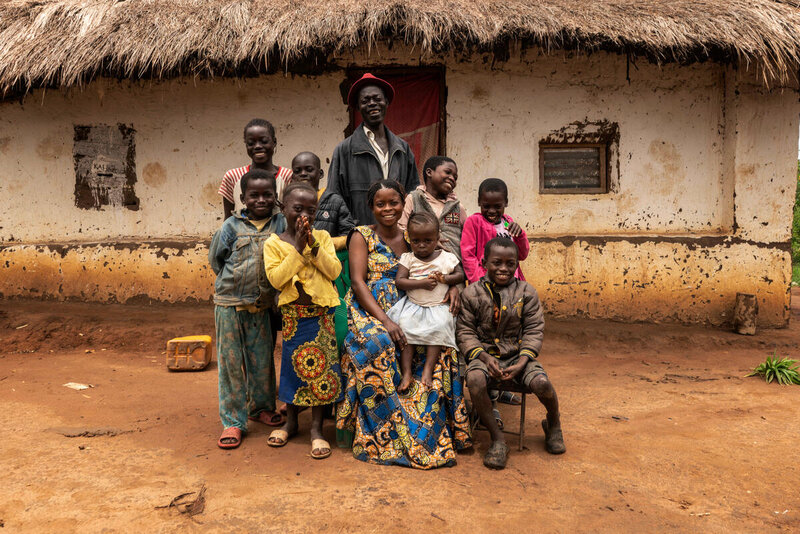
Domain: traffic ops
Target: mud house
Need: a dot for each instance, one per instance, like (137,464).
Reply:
(649,146)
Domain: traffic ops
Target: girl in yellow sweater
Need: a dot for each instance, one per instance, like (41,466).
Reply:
(301,263)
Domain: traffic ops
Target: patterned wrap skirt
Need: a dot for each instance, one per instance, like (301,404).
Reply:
(310,367)
(420,428)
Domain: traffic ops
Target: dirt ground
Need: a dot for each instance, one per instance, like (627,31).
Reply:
(662,433)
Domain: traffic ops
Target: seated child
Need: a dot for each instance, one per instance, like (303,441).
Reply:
(301,263)
(332,213)
(244,344)
(425,274)
(500,331)
(491,222)
(436,196)
(260,142)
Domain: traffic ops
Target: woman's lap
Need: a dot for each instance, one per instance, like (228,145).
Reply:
(421,428)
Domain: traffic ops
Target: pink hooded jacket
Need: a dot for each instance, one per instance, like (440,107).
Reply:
(477,232)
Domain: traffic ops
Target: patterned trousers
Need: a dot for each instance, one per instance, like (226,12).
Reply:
(245,363)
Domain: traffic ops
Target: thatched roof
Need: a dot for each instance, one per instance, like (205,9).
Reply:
(67,42)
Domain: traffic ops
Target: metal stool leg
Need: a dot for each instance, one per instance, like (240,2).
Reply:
(522,422)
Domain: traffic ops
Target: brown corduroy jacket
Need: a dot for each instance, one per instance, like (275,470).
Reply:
(520,326)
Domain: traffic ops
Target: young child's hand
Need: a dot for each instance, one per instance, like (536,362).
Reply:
(514,230)
(436,275)
(301,235)
(307,226)
(429,283)
(310,239)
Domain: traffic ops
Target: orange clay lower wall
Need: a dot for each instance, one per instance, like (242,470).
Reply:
(102,272)
(687,280)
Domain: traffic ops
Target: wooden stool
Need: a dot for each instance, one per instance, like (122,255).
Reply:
(511,387)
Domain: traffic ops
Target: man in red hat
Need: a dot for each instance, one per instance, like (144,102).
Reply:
(372,153)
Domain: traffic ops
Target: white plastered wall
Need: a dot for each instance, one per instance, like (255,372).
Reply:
(668,176)
(188,133)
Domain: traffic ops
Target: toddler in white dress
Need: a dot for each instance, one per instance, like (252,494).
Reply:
(425,274)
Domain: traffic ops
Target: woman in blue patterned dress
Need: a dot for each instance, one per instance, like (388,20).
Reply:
(422,427)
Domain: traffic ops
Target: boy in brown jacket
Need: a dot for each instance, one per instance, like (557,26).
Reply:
(500,331)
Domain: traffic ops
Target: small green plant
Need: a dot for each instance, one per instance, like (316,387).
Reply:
(783,370)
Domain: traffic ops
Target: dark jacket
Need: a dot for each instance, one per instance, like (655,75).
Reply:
(355,167)
(333,215)
(520,327)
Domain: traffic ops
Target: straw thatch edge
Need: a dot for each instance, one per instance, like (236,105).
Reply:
(63,43)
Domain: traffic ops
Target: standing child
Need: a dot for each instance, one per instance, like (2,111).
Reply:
(301,263)
(332,213)
(500,331)
(260,142)
(426,274)
(244,344)
(436,196)
(491,222)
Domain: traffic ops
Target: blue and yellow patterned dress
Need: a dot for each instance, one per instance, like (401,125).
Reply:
(420,428)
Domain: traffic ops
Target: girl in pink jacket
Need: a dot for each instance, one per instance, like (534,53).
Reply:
(491,222)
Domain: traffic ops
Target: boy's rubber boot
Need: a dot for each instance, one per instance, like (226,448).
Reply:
(553,440)
(497,456)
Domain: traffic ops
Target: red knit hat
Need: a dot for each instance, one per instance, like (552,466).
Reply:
(369,79)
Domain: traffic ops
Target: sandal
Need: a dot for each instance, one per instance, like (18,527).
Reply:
(507,397)
(553,439)
(497,418)
(497,456)
(320,445)
(268,418)
(230,433)
(278,438)
(475,420)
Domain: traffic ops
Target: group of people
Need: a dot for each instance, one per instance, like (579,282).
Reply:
(415,334)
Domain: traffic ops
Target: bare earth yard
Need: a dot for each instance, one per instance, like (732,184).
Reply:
(662,433)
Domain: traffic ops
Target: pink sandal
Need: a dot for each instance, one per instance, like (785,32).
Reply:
(233,433)
(268,418)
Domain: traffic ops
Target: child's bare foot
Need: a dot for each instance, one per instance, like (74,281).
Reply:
(405,383)
(427,378)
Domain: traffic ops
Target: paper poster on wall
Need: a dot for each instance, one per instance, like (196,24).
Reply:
(105,167)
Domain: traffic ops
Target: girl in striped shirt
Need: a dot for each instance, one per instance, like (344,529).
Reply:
(260,142)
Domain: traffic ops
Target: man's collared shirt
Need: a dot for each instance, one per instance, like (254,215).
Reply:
(382,156)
